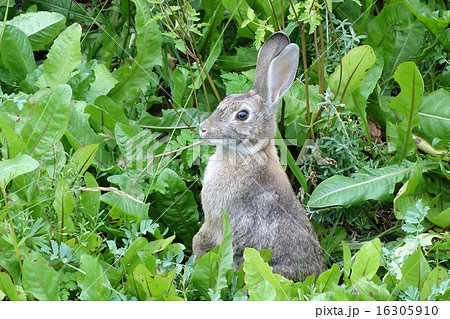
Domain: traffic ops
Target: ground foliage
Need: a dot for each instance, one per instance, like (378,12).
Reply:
(101,169)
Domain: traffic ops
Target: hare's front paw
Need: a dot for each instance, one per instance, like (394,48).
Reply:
(204,240)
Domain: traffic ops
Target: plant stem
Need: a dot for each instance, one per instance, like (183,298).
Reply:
(11,227)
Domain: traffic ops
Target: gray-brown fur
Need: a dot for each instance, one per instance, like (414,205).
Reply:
(245,178)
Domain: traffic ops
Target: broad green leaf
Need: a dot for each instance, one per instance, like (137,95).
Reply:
(407,195)
(123,203)
(154,286)
(104,82)
(176,207)
(326,281)
(258,271)
(16,53)
(407,104)
(90,200)
(64,204)
(39,278)
(225,254)
(105,114)
(442,219)
(8,288)
(367,290)
(435,115)
(45,120)
(8,257)
(132,251)
(14,143)
(93,281)
(63,57)
(367,261)
(211,269)
(70,9)
(398,33)
(41,27)
(11,168)
(376,184)
(82,159)
(434,279)
(355,65)
(414,271)
(437,25)
(133,80)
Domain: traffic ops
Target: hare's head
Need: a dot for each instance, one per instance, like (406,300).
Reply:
(247,121)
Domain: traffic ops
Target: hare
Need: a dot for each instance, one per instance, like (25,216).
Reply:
(244,176)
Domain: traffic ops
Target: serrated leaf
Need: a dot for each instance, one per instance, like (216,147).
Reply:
(39,278)
(63,57)
(41,27)
(16,53)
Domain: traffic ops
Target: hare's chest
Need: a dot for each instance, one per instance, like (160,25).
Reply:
(223,186)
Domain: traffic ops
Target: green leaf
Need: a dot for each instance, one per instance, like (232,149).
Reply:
(16,53)
(328,279)
(133,80)
(90,200)
(14,143)
(376,184)
(176,207)
(436,25)
(367,261)
(11,168)
(434,279)
(41,27)
(39,278)
(63,57)
(104,82)
(45,120)
(355,65)
(82,159)
(64,204)
(211,269)
(105,114)
(407,104)
(399,35)
(258,272)
(154,286)
(435,115)
(93,281)
(414,271)
(347,260)
(70,9)
(8,287)
(367,290)
(124,204)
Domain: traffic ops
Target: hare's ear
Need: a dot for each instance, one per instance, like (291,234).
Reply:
(281,74)
(276,68)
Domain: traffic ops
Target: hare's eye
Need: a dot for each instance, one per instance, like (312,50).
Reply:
(242,115)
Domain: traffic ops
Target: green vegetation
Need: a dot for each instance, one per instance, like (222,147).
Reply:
(101,166)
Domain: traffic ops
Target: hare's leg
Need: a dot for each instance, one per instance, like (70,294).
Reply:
(204,240)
